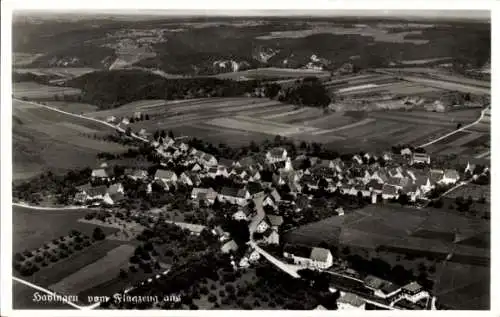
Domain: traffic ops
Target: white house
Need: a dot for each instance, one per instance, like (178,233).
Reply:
(276,155)
(414,292)
(389,192)
(405,152)
(315,258)
(99,173)
(125,121)
(208,160)
(450,176)
(420,158)
(111,119)
(166,176)
(357,158)
(262,226)
(234,195)
(249,258)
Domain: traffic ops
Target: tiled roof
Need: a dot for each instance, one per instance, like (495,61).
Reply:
(275,220)
(351,299)
(101,172)
(413,287)
(97,191)
(319,254)
(164,174)
(277,152)
(389,190)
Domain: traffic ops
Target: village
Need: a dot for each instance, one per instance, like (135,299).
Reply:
(270,192)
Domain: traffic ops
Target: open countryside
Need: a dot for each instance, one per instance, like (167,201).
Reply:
(255,163)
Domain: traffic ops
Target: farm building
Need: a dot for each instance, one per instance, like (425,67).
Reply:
(111,119)
(450,176)
(166,176)
(136,174)
(276,155)
(315,258)
(420,158)
(237,196)
(208,195)
(99,174)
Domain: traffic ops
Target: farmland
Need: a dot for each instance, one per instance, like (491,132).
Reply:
(237,121)
(35,91)
(63,72)
(374,226)
(46,139)
(262,73)
(32,228)
(95,273)
(402,236)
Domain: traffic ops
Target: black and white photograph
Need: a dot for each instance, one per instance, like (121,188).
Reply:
(294,160)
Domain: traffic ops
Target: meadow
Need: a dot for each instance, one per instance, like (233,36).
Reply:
(100,271)
(35,91)
(32,228)
(46,139)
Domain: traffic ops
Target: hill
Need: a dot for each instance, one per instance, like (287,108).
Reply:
(109,89)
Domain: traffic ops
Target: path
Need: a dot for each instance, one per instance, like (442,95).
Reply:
(456,131)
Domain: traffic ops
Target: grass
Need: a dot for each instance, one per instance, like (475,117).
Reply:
(33,90)
(73,107)
(32,228)
(48,276)
(46,139)
(97,272)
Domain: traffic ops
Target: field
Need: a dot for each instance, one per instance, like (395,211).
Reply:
(261,73)
(32,228)
(63,72)
(475,191)
(463,286)
(32,90)
(46,139)
(411,236)
(72,107)
(95,273)
(396,227)
(237,121)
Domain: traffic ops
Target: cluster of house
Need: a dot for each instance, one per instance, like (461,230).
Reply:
(412,296)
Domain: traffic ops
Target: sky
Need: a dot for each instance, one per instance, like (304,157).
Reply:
(431,14)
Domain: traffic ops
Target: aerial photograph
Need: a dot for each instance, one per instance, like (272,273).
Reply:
(258,160)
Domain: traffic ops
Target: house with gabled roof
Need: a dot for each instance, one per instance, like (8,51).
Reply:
(100,174)
(350,301)
(255,189)
(208,195)
(450,176)
(250,257)
(276,155)
(315,258)
(87,193)
(414,292)
(136,174)
(389,192)
(420,158)
(274,221)
(189,179)
(358,159)
(166,176)
(381,288)
(234,195)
